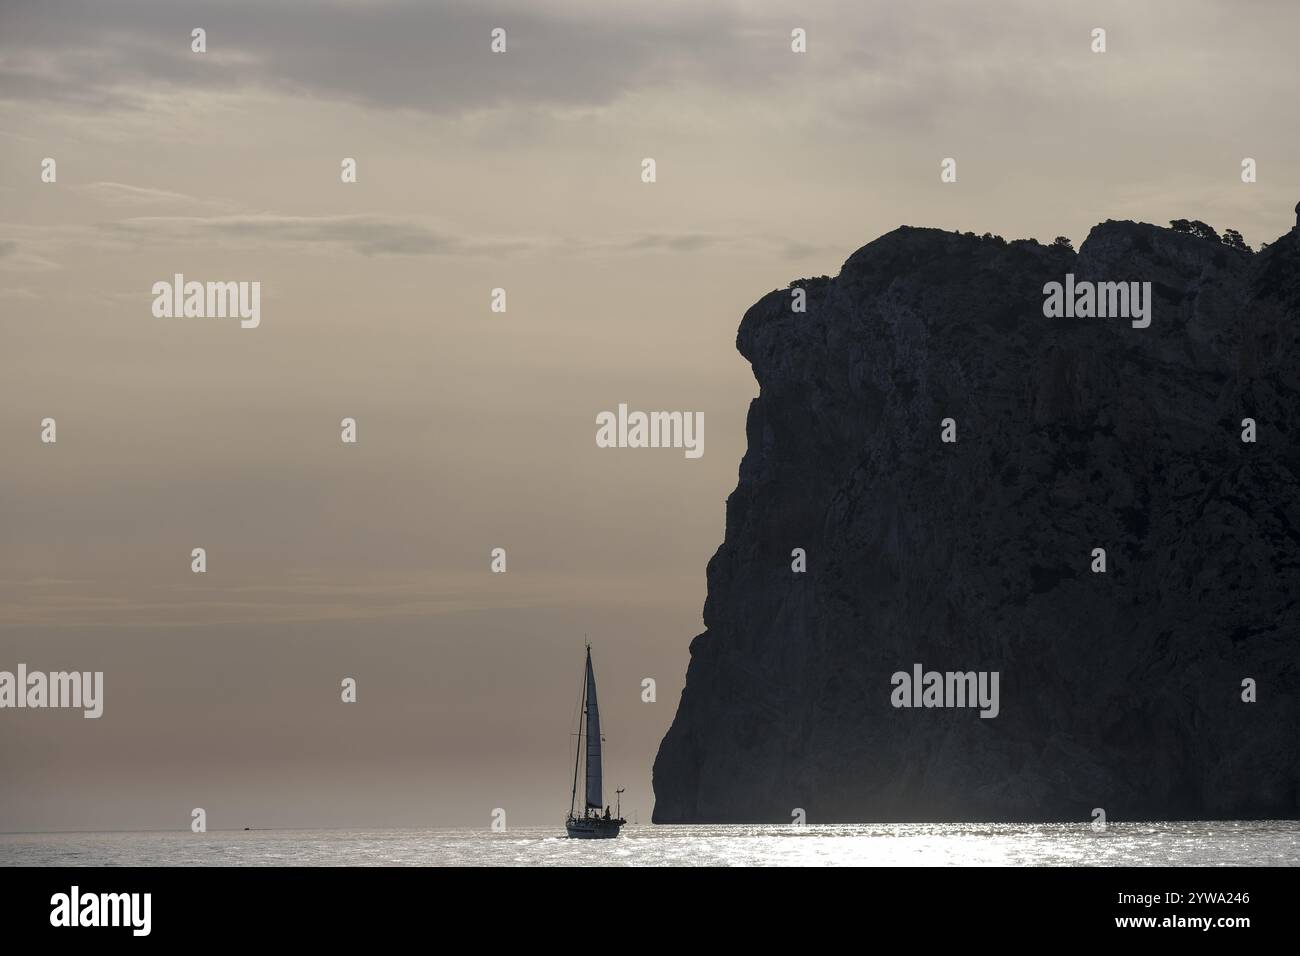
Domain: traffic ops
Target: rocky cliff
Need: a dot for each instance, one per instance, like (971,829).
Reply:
(1120,689)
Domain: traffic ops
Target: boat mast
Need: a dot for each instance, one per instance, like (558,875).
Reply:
(586,705)
(582,711)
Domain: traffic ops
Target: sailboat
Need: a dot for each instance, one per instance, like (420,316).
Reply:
(591,824)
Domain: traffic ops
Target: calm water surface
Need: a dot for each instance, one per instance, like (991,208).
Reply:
(1272,843)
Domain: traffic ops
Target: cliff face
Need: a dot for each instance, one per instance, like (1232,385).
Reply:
(1120,690)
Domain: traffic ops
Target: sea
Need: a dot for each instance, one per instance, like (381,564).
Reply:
(1224,843)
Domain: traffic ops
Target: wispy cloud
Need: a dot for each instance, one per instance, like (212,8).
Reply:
(689,243)
(311,597)
(368,235)
(16,256)
(392,236)
(124,194)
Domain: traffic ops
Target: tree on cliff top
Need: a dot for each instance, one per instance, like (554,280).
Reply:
(1233,240)
(1194,227)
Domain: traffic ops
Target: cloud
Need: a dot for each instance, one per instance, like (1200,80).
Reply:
(55,603)
(122,194)
(686,242)
(689,243)
(18,256)
(870,68)
(432,57)
(391,236)
(368,235)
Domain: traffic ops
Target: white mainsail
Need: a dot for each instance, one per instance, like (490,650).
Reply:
(595,793)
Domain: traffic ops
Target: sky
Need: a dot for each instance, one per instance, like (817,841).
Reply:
(476,429)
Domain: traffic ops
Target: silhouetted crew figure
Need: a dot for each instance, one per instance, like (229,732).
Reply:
(607,813)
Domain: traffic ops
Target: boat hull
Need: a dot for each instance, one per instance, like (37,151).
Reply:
(592,828)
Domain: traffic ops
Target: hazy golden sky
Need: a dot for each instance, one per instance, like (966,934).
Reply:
(476,430)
